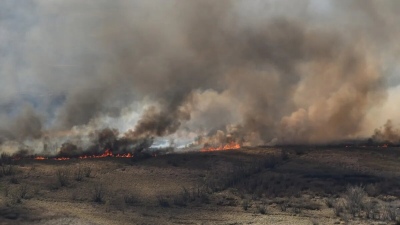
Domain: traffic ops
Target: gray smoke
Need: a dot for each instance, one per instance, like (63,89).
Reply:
(308,72)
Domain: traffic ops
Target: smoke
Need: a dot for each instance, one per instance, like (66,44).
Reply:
(387,134)
(260,72)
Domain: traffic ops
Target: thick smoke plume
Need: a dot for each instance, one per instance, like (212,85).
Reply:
(387,134)
(86,76)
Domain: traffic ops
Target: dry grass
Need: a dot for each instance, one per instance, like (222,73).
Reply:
(293,186)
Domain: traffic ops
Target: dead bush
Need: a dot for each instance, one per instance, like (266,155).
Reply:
(355,199)
(62,177)
(87,171)
(78,174)
(22,191)
(14,180)
(370,209)
(246,204)
(262,208)
(389,213)
(163,201)
(6,190)
(183,198)
(98,193)
(284,155)
(339,207)
(16,196)
(7,169)
(372,190)
(131,199)
(329,202)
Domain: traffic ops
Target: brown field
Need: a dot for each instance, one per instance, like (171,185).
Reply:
(246,186)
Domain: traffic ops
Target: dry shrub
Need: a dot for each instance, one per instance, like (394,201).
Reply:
(262,208)
(78,174)
(62,177)
(339,207)
(163,201)
(87,171)
(98,193)
(355,196)
(246,204)
(329,202)
(389,213)
(131,199)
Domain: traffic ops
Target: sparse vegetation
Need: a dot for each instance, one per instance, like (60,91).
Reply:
(261,184)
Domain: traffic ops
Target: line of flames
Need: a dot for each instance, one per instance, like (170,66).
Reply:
(229,146)
(107,153)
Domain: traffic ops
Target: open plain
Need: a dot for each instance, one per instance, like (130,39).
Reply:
(262,185)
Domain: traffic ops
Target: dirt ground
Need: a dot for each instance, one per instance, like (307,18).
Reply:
(301,185)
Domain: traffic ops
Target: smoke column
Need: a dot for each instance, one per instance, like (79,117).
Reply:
(264,72)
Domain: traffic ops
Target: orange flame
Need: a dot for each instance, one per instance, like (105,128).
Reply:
(61,158)
(230,146)
(107,153)
(40,158)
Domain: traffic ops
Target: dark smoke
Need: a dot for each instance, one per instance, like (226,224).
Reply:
(387,134)
(269,72)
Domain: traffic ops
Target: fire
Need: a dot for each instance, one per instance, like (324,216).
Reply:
(61,158)
(107,153)
(230,146)
(40,158)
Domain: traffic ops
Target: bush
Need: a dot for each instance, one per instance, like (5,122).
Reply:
(183,198)
(284,155)
(163,201)
(283,206)
(270,162)
(355,199)
(262,208)
(87,171)
(78,174)
(329,202)
(389,213)
(338,208)
(98,193)
(370,209)
(23,191)
(62,177)
(6,190)
(246,204)
(14,180)
(130,199)
(8,170)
